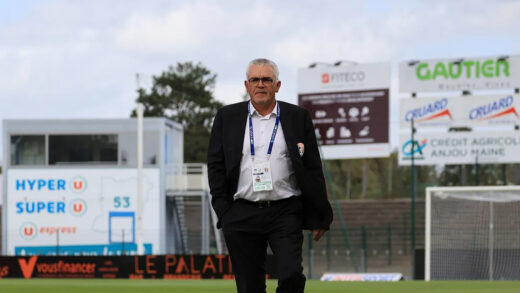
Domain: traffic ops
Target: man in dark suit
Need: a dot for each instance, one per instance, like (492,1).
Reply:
(266,182)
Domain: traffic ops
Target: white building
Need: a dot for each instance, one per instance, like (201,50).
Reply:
(70,186)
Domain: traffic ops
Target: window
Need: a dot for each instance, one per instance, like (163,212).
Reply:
(74,149)
(27,150)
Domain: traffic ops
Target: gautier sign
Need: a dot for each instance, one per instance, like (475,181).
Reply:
(459,74)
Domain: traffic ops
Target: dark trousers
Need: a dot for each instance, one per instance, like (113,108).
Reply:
(247,231)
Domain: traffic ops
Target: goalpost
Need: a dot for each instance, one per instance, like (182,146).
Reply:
(472,233)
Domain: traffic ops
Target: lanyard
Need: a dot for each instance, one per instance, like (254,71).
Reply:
(251,136)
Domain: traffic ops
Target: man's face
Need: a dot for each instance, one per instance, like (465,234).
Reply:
(258,86)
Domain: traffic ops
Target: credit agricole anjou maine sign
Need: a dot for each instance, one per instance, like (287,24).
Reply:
(500,72)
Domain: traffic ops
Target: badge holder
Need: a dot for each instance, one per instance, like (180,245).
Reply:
(262,180)
(261,171)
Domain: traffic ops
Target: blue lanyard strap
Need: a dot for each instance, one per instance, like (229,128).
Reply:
(251,136)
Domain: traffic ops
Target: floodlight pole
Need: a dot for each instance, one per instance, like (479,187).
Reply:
(477,173)
(491,239)
(504,174)
(412,181)
(139,208)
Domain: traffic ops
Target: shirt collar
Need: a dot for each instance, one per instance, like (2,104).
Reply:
(253,110)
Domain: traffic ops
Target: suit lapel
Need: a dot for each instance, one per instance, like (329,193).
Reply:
(239,128)
(287,126)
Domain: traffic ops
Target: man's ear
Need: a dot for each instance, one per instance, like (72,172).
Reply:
(278,85)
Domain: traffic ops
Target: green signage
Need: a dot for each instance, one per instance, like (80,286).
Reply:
(469,69)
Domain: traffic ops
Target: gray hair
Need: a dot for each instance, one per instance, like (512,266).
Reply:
(263,62)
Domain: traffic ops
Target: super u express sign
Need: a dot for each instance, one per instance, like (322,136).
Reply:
(460,74)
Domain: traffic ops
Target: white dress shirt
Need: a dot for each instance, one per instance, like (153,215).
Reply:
(282,172)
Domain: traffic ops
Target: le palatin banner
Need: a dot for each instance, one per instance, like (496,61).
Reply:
(126,267)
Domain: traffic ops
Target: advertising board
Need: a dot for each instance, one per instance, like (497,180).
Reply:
(468,111)
(454,148)
(215,266)
(458,74)
(363,277)
(80,211)
(349,106)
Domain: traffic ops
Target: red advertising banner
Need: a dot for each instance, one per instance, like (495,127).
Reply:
(127,267)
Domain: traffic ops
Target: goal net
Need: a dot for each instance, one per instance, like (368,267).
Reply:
(472,233)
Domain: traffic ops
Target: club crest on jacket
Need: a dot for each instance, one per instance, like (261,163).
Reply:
(301,148)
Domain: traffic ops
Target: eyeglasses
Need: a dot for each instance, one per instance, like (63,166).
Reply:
(265,80)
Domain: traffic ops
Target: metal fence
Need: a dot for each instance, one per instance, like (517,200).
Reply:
(372,249)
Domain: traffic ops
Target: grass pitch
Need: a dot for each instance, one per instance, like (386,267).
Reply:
(227,286)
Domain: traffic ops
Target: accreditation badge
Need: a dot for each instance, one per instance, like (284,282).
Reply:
(261,172)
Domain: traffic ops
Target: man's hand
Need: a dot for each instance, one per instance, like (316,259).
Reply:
(316,234)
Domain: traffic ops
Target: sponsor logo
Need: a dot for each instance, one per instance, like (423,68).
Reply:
(325,78)
(55,230)
(78,184)
(40,184)
(415,145)
(66,268)
(429,111)
(495,109)
(4,271)
(342,77)
(77,207)
(27,266)
(28,230)
(463,69)
(55,269)
(37,207)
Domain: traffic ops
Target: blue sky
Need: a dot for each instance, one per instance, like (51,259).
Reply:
(79,59)
(13,11)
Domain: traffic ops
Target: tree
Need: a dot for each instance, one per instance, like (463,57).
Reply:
(184,94)
(385,178)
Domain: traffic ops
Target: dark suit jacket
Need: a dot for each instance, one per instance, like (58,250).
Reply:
(225,154)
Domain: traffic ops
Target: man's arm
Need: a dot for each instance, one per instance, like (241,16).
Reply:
(217,168)
(314,177)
